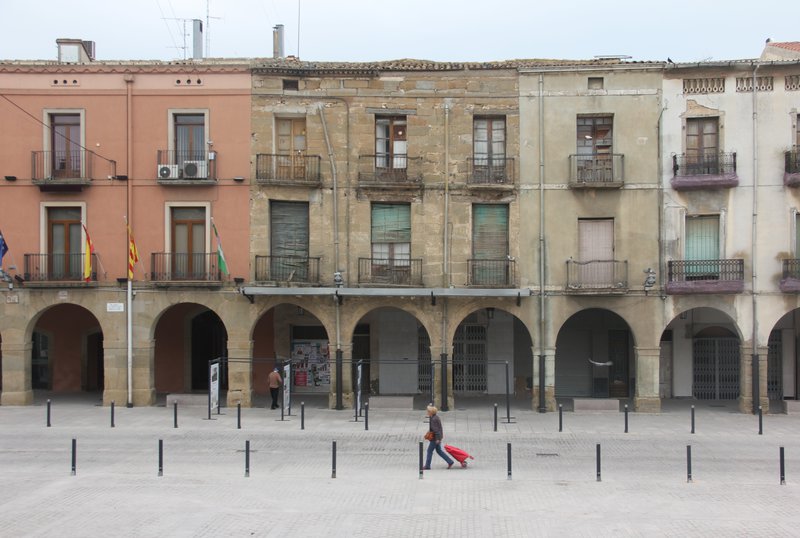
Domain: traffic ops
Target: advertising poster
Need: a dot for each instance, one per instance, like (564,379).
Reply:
(287,392)
(214,385)
(311,366)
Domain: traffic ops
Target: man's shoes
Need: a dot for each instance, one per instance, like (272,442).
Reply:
(449,465)
(426,468)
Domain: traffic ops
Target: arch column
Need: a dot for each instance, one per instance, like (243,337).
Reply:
(115,372)
(240,371)
(144,377)
(549,378)
(348,397)
(745,379)
(648,360)
(16,372)
(752,370)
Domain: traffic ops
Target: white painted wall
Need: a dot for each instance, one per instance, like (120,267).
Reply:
(500,348)
(397,341)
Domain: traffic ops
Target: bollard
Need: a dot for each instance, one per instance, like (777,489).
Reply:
(560,416)
(355,413)
(74,454)
(783,468)
(302,415)
(626,418)
(247,458)
(692,419)
(48,413)
(160,457)
(366,416)
(420,460)
(508,454)
(239,416)
(112,413)
(688,463)
(333,460)
(175,414)
(598,462)
(760,421)
(282,409)
(495,417)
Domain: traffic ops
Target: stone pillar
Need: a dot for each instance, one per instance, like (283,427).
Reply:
(16,371)
(763,364)
(115,372)
(348,397)
(549,379)
(144,384)
(746,379)
(240,371)
(646,398)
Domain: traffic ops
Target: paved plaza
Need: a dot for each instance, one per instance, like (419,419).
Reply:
(377,491)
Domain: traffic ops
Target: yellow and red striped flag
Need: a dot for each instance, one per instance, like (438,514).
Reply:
(87,256)
(133,254)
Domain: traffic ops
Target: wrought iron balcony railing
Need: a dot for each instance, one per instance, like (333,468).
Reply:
(791,173)
(597,275)
(287,269)
(390,271)
(58,267)
(705,171)
(384,170)
(791,269)
(490,171)
(185,164)
(292,169)
(492,273)
(184,266)
(596,170)
(705,276)
(62,165)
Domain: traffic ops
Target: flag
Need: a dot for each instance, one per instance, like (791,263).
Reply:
(87,256)
(221,263)
(3,248)
(133,254)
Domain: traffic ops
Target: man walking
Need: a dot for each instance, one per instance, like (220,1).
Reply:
(274,381)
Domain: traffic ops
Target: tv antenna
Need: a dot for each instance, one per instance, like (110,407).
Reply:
(185,33)
(208,27)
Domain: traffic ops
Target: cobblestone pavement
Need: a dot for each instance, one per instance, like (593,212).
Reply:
(377,491)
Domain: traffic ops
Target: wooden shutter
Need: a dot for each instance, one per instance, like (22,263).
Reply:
(289,229)
(702,238)
(489,231)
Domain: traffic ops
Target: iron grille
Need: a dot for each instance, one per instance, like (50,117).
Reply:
(792,160)
(716,368)
(596,168)
(713,164)
(692,270)
(390,271)
(469,359)
(492,273)
(58,267)
(424,363)
(597,274)
(184,266)
(287,269)
(775,366)
(491,171)
(294,168)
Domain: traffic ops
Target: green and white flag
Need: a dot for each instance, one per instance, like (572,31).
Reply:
(221,263)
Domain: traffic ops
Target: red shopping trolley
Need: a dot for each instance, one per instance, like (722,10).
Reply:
(460,455)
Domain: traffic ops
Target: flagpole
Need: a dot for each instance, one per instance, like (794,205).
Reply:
(129,309)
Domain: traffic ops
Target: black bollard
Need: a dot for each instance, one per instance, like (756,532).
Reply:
(282,409)
(626,418)
(692,419)
(420,460)
(560,417)
(760,421)
(366,416)
(74,454)
(783,468)
(495,417)
(302,415)
(508,454)
(239,416)
(355,413)
(688,463)
(333,460)
(246,458)
(48,413)
(160,457)
(175,414)
(598,462)
(508,397)
(112,413)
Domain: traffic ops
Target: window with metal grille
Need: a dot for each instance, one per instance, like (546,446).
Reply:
(289,238)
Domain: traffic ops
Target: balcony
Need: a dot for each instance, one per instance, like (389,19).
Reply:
(288,170)
(688,277)
(57,268)
(490,172)
(65,170)
(288,269)
(389,172)
(596,171)
(790,278)
(186,168)
(791,173)
(195,268)
(710,171)
(390,272)
(492,273)
(597,276)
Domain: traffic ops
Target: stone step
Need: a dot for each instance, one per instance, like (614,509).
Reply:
(596,404)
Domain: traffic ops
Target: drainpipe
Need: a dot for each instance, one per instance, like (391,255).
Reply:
(755,361)
(446,254)
(128,193)
(542,359)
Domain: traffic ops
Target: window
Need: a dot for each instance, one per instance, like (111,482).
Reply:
(189,151)
(595,83)
(594,148)
(289,241)
(391,147)
(188,248)
(64,243)
(489,148)
(66,143)
(291,141)
(702,146)
(596,251)
(291,85)
(702,243)
(490,244)
(391,242)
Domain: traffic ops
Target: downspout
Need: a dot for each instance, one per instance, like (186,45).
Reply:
(755,359)
(128,193)
(446,254)
(542,325)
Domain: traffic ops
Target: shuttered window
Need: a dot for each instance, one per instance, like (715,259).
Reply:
(702,136)
(702,238)
(489,231)
(289,240)
(596,251)
(391,232)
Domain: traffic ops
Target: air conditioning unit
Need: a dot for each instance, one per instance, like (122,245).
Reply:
(195,169)
(168,171)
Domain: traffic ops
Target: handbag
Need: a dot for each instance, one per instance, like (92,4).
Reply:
(429,436)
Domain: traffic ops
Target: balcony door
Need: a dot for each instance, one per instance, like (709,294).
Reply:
(391,147)
(64,243)
(291,140)
(490,244)
(702,146)
(702,244)
(391,243)
(65,132)
(596,252)
(188,260)
(594,148)
(289,238)
(190,144)
(489,149)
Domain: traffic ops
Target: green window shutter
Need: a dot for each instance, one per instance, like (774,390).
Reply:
(489,231)
(391,223)
(702,238)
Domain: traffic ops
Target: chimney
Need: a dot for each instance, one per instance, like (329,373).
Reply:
(75,51)
(197,39)
(277,41)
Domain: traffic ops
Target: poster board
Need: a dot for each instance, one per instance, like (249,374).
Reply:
(311,369)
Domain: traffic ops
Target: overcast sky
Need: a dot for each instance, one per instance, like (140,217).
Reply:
(369,30)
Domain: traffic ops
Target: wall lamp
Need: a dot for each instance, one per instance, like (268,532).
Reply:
(11,178)
(238,280)
(238,179)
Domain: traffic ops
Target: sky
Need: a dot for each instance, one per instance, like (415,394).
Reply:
(374,30)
